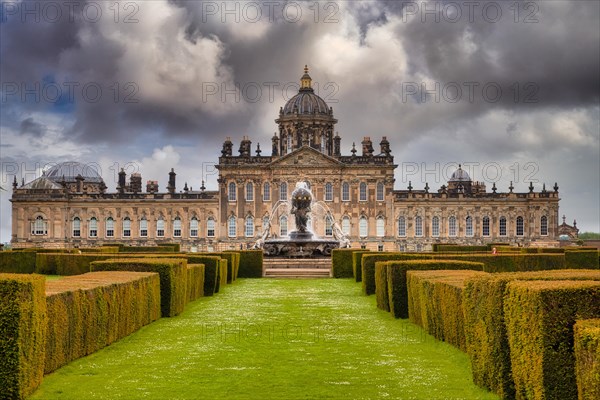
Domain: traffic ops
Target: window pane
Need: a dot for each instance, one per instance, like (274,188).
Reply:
(194,227)
(231,227)
(249,191)
(76,227)
(435,227)
(328,192)
(283,226)
(346,225)
(267,192)
(380,191)
(328,226)
(210,227)
(143,227)
(363,191)
(520,226)
(469,226)
(232,192)
(486,226)
(345,191)
(249,226)
(160,228)
(283,196)
(110,227)
(418,226)
(502,226)
(126,227)
(380,227)
(93,227)
(452,226)
(402,226)
(544,226)
(177,227)
(363,227)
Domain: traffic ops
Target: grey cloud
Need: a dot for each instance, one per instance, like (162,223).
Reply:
(30,127)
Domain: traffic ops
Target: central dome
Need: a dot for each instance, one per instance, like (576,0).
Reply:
(306,101)
(70,170)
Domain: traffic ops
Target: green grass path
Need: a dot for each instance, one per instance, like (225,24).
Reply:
(273,339)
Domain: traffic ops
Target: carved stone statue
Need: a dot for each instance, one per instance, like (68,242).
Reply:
(301,201)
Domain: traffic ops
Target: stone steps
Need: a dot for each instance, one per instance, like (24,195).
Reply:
(297,267)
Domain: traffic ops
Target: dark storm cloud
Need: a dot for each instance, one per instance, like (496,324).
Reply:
(30,127)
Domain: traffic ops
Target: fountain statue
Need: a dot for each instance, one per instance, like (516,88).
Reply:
(301,242)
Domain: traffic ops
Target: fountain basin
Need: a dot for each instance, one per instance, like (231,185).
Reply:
(300,246)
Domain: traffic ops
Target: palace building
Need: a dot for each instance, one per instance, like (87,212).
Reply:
(69,205)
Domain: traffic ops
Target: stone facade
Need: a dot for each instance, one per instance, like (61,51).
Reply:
(69,205)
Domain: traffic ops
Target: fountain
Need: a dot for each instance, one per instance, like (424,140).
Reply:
(301,243)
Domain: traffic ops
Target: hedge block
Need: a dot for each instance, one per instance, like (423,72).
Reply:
(540,316)
(222,277)
(357,264)
(172,273)
(212,267)
(195,282)
(17,262)
(88,312)
(587,358)
(23,324)
(436,303)
(341,263)
(585,259)
(251,263)
(368,267)
(381,286)
(487,339)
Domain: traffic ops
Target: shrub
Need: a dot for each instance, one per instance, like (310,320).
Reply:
(23,325)
(461,249)
(101,249)
(251,263)
(68,264)
(357,263)
(381,285)
(17,262)
(396,279)
(487,340)
(550,250)
(368,267)
(539,319)
(587,358)
(172,273)
(211,271)
(195,282)
(341,263)
(222,277)
(435,303)
(88,312)
(148,249)
(586,259)
(231,263)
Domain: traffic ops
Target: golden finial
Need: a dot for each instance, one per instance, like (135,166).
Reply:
(305,68)
(305,81)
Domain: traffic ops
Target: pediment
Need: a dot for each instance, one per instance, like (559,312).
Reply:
(306,157)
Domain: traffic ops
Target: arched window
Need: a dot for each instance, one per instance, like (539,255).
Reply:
(249,228)
(469,226)
(143,227)
(328,226)
(362,190)
(520,226)
(418,226)
(39,226)
(210,227)
(249,191)
(93,227)
(380,191)
(346,225)
(402,226)
(232,195)
(231,226)
(283,226)
(502,226)
(363,227)
(328,192)
(485,227)
(126,227)
(194,227)
(177,227)
(345,191)
(283,195)
(267,191)
(76,227)
(435,226)
(544,226)
(289,142)
(110,227)
(160,227)
(380,227)
(452,226)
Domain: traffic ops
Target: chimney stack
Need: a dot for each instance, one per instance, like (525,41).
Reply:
(122,175)
(135,182)
(367,147)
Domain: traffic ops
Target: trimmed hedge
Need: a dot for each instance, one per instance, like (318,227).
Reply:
(102,249)
(341,263)
(487,339)
(211,271)
(23,324)
(172,273)
(396,279)
(251,263)
(357,264)
(17,262)
(195,282)
(148,249)
(460,249)
(232,263)
(587,358)
(222,276)
(539,319)
(435,303)
(88,312)
(587,259)
(381,285)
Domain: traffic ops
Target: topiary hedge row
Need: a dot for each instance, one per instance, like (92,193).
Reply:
(195,282)
(587,259)
(90,311)
(444,248)
(397,284)
(251,263)
(587,358)
(233,260)
(435,303)
(23,324)
(540,316)
(487,339)
(222,276)
(211,271)
(172,273)
(101,249)
(357,264)
(17,262)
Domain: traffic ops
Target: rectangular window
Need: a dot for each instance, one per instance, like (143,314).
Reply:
(76,227)
(194,228)
(502,226)
(210,228)
(160,228)
(283,195)
(402,226)
(418,227)
(93,227)
(110,227)
(267,192)
(249,191)
(435,227)
(346,225)
(380,191)
(544,226)
(328,227)
(328,192)
(362,192)
(486,226)
(345,191)
(143,228)
(126,227)
(452,226)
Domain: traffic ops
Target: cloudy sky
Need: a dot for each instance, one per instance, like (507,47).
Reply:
(509,89)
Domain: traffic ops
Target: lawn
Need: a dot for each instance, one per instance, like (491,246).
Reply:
(273,339)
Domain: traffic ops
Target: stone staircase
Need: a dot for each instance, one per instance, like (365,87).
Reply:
(297,267)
